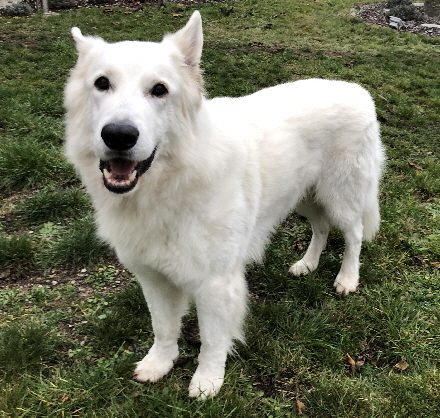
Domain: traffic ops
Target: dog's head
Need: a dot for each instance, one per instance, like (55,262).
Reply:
(124,100)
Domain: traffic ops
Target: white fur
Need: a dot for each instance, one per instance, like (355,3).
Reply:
(226,172)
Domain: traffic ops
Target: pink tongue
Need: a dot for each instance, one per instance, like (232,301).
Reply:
(121,168)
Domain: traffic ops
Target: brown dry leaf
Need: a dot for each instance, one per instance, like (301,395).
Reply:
(177,14)
(435,264)
(416,166)
(401,366)
(300,407)
(349,360)
(64,398)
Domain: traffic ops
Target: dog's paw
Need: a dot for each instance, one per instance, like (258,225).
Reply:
(346,284)
(300,268)
(151,369)
(204,386)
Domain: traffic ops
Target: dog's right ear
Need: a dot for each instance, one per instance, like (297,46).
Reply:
(82,43)
(189,40)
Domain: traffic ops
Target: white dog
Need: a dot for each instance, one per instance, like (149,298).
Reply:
(188,190)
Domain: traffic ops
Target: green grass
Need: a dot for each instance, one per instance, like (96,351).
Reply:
(74,245)
(25,347)
(51,204)
(15,251)
(73,323)
(25,164)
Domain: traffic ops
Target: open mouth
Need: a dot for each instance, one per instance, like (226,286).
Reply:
(121,175)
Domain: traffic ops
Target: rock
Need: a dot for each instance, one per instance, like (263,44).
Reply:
(396,22)
(430,26)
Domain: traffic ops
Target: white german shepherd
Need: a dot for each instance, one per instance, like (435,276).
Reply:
(188,190)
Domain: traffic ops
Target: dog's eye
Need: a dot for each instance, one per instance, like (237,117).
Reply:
(159,90)
(102,83)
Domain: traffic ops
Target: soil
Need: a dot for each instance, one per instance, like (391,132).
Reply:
(377,14)
(32,276)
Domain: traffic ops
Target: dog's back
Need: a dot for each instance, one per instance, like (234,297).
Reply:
(316,140)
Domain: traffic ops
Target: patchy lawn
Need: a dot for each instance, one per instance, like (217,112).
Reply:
(73,321)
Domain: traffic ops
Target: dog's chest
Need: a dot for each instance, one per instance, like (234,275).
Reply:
(185,242)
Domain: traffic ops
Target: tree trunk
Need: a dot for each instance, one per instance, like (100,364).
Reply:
(432,8)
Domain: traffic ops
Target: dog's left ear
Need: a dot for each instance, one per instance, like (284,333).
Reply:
(83,43)
(189,40)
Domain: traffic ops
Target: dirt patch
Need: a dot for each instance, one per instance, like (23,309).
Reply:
(80,278)
(377,14)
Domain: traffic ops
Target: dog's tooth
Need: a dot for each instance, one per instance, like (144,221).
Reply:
(107,174)
(132,175)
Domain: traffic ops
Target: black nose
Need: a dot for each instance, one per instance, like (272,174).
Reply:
(119,136)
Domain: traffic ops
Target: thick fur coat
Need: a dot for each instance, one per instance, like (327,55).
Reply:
(213,179)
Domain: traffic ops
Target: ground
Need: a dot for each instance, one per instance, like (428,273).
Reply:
(73,322)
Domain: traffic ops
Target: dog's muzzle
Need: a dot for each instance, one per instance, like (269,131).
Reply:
(121,175)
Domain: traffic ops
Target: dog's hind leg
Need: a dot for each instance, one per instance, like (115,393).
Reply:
(320,227)
(347,279)
(221,308)
(167,304)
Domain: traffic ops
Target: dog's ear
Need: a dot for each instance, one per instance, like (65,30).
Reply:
(189,40)
(83,43)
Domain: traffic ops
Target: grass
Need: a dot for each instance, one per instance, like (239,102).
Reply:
(74,245)
(25,347)
(15,251)
(73,322)
(51,204)
(27,164)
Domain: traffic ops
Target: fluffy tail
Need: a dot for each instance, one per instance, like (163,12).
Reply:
(371,219)
(371,215)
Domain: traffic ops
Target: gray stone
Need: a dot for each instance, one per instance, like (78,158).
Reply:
(4,3)
(396,22)
(430,26)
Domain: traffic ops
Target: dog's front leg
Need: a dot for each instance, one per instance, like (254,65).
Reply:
(167,305)
(221,308)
